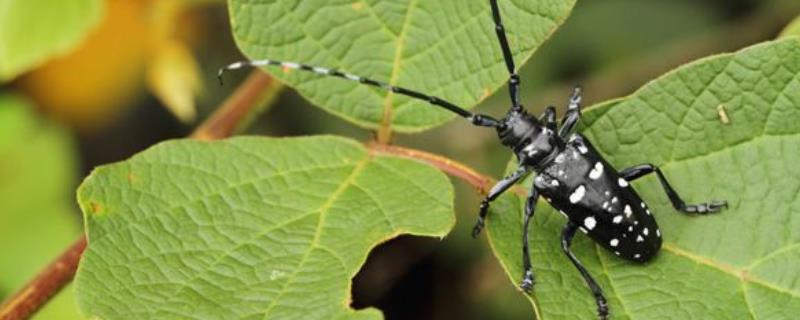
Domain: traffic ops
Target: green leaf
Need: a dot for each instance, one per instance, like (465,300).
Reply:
(37,218)
(446,48)
(247,227)
(33,31)
(738,264)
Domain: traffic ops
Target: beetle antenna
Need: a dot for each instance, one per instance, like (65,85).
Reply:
(347,76)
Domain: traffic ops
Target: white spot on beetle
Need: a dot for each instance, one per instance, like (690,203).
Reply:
(560,172)
(614,200)
(622,182)
(582,149)
(616,252)
(643,205)
(578,194)
(618,219)
(614,242)
(605,204)
(608,193)
(597,171)
(639,238)
(637,256)
(630,229)
(554,183)
(538,179)
(647,211)
(584,230)
(529,149)
(589,222)
(645,231)
(560,158)
(658,233)
(572,138)
(628,211)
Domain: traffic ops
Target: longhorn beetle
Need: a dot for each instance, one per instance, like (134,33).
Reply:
(572,176)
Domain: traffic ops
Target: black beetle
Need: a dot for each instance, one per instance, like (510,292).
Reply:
(572,176)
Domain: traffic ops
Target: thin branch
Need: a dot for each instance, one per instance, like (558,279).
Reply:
(223,123)
(255,91)
(447,165)
(47,284)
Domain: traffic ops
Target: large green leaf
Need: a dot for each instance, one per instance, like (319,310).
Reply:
(445,47)
(247,228)
(34,31)
(37,217)
(738,264)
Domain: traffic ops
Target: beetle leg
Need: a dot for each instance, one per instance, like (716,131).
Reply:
(496,191)
(636,172)
(530,206)
(573,113)
(549,118)
(566,242)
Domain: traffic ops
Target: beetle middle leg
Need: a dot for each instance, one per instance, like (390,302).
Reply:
(566,241)
(495,192)
(530,206)
(573,113)
(636,172)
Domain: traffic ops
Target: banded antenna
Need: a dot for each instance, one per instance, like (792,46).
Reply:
(480,120)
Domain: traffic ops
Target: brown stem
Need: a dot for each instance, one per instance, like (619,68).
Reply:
(223,123)
(447,165)
(49,282)
(237,108)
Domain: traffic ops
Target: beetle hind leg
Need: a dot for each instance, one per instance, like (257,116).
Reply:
(566,241)
(636,172)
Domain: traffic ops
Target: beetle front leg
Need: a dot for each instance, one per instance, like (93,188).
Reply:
(549,118)
(636,172)
(573,114)
(530,206)
(566,241)
(495,192)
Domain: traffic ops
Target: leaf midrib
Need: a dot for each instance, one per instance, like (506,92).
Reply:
(386,121)
(742,274)
(323,211)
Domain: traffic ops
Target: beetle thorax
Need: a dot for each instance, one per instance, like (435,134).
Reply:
(533,143)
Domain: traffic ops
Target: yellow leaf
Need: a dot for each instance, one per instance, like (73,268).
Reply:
(173,76)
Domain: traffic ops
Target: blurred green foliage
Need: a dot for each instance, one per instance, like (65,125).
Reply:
(31,32)
(37,215)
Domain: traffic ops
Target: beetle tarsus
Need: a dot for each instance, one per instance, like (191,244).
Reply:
(602,308)
(706,208)
(476,230)
(527,281)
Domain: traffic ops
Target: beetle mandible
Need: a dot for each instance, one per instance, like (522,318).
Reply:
(571,174)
